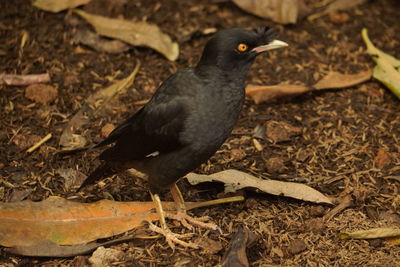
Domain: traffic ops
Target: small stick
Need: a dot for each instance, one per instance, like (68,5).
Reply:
(38,144)
(346,202)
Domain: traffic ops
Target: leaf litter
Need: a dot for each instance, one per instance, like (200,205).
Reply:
(94,103)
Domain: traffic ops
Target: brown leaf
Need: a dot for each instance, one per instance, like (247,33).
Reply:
(262,93)
(336,5)
(236,255)
(279,131)
(58,5)
(105,257)
(136,33)
(382,158)
(296,246)
(339,17)
(235,180)
(338,80)
(20,80)
(64,222)
(107,129)
(281,11)
(41,93)
(275,165)
(100,44)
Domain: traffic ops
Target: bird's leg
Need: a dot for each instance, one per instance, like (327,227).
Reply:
(183,217)
(170,237)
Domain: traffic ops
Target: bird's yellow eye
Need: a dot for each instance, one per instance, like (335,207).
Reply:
(242,47)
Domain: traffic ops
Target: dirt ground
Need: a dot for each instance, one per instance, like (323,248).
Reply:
(343,131)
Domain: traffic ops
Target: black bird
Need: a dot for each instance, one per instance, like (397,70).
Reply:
(186,121)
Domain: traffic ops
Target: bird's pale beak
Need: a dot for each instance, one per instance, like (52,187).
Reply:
(272,45)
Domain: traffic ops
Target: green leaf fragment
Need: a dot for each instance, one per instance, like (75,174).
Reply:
(386,70)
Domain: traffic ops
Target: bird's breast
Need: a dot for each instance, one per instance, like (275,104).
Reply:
(213,117)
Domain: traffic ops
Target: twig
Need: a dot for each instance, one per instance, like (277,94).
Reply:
(38,144)
(346,202)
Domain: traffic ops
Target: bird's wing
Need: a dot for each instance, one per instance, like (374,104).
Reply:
(120,130)
(156,128)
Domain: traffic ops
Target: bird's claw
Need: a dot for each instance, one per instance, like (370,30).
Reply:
(187,220)
(173,238)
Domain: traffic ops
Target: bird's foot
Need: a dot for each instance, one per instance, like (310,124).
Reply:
(187,221)
(173,238)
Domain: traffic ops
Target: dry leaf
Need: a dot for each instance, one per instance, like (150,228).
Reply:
(382,158)
(41,93)
(235,180)
(70,140)
(262,93)
(338,80)
(105,257)
(386,70)
(136,33)
(336,5)
(58,5)
(21,80)
(279,131)
(100,44)
(281,11)
(372,233)
(107,129)
(63,222)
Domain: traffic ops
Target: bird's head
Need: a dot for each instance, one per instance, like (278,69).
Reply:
(235,49)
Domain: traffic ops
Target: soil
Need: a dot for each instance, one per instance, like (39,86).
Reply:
(349,144)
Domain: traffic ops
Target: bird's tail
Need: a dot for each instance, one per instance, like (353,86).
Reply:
(102,171)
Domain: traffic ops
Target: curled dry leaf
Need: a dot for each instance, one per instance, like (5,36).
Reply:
(21,80)
(135,33)
(100,44)
(338,80)
(235,180)
(333,80)
(281,11)
(58,5)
